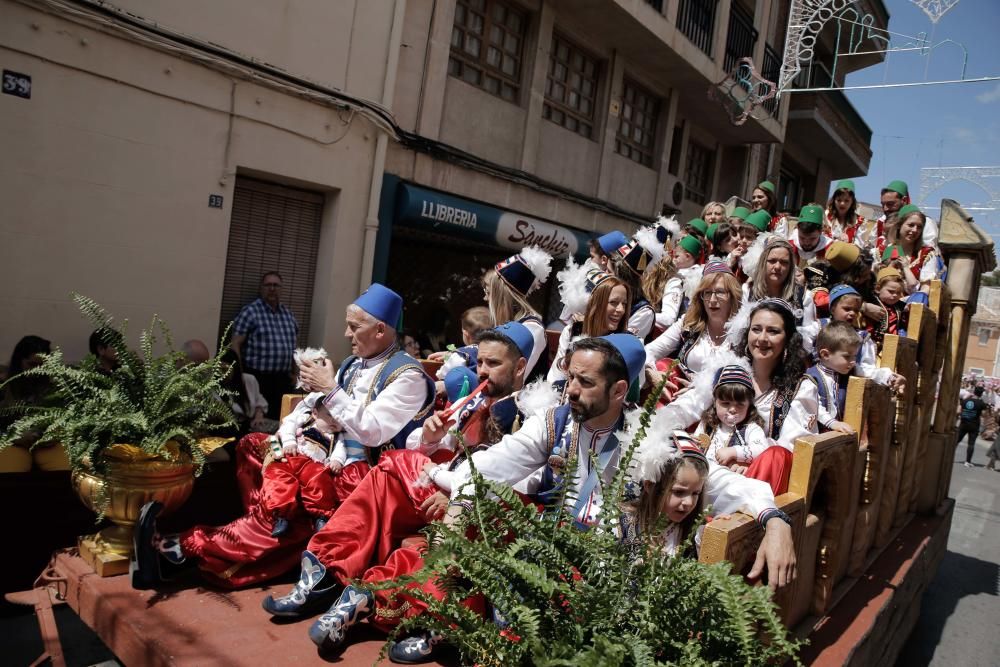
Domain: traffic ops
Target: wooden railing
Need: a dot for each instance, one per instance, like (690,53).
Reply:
(849,495)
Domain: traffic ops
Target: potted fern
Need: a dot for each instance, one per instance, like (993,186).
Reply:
(131,434)
(570,597)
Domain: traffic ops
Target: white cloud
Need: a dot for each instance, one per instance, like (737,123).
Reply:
(989,96)
(964,134)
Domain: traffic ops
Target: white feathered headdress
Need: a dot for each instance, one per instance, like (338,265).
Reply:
(538,261)
(692,278)
(537,397)
(672,226)
(573,286)
(646,237)
(751,257)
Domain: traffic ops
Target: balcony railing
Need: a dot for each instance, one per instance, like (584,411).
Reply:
(771,70)
(818,76)
(741,38)
(696,20)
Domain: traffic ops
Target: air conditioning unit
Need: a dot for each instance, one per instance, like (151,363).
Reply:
(673,194)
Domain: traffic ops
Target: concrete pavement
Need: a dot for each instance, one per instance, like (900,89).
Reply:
(959,624)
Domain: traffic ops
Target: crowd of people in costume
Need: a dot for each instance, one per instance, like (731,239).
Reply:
(750,324)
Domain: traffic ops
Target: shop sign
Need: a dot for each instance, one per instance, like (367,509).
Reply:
(421,208)
(516,231)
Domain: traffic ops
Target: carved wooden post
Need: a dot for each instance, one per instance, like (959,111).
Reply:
(969,254)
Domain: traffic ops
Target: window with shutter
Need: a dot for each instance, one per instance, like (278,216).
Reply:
(273,228)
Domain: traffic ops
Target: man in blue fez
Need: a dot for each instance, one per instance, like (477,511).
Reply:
(599,373)
(375,400)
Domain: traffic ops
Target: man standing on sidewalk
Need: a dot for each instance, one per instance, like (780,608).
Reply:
(264,334)
(972,408)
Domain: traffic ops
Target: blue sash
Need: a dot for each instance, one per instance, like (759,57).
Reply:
(824,394)
(389,370)
(559,429)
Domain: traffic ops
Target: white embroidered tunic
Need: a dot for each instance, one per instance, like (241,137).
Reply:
(375,423)
(703,354)
(522,456)
(674,292)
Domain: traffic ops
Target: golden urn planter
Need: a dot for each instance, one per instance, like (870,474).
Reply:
(131,479)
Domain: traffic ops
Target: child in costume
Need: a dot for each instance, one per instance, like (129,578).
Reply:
(297,472)
(670,478)
(676,293)
(837,349)
(732,427)
(845,306)
(890,287)
(632,263)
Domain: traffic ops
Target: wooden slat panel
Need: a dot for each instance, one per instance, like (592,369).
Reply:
(899,354)
(273,228)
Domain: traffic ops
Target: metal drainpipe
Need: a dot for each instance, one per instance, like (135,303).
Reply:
(381,146)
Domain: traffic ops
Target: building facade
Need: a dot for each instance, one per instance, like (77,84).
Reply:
(981,355)
(171,152)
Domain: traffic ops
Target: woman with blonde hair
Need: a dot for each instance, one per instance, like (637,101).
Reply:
(714,213)
(698,339)
(506,287)
(774,278)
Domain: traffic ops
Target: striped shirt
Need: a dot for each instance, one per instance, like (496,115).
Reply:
(270,335)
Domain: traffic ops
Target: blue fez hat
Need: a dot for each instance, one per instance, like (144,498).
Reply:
(612,241)
(459,382)
(632,351)
(841,291)
(525,271)
(381,303)
(520,335)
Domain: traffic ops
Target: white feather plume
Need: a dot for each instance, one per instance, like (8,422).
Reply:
(537,397)
(539,261)
(692,278)
(738,323)
(453,360)
(646,237)
(573,286)
(671,224)
(704,382)
(752,256)
(655,450)
(311,354)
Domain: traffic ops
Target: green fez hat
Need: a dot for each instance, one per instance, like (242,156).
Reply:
(811,215)
(766,185)
(907,210)
(712,228)
(760,219)
(740,212)
(898,186)
(691,244)
(700,225)
(846,184)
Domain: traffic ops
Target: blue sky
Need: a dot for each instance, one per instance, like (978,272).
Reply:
(936,125)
